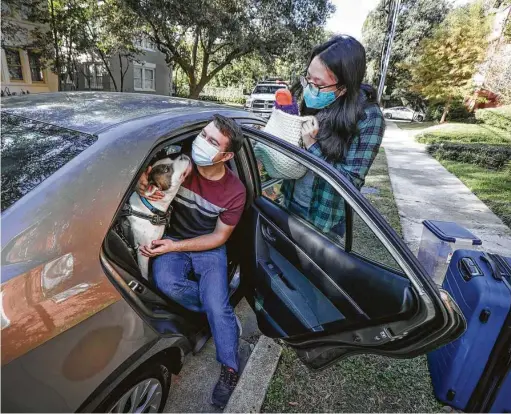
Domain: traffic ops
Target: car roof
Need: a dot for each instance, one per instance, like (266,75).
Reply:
(91,112)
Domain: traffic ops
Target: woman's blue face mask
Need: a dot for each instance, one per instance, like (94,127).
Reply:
(319,101)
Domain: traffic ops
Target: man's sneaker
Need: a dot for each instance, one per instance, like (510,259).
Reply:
(224,387)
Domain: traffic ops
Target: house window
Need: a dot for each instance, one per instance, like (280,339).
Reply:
(14,65)
(144,77)
(36,67)
(146,44)
(94,76)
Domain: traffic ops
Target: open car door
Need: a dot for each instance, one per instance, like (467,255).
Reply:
(331,292)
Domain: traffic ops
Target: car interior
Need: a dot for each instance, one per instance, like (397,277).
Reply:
(165,315)
(300,281)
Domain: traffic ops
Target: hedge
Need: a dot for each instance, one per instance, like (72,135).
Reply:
(213,98)
(496,117)
(494,157)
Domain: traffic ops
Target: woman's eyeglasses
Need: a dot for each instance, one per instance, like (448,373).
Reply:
(315,89)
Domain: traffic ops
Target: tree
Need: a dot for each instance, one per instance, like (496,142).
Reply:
(415,23)
(449,59)
(92,30)
(289,64)
(498,73)
(203,37)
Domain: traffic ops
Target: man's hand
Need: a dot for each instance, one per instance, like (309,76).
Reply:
(310,129)
(158,247)
(143,183)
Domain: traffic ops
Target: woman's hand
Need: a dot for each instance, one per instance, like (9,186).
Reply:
(310,129)
(143,183)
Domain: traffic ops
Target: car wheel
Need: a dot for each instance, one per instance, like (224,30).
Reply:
(144,391)
(388,115)
(419,118)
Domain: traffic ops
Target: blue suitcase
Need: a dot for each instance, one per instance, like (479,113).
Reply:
(470,373)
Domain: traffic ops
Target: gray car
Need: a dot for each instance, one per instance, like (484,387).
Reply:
(83,331)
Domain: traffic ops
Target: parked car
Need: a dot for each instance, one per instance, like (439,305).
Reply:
(82,330)
(403,112)
(262,99)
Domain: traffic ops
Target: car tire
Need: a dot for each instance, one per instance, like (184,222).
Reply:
(145,390)
(388,116)
(419,118)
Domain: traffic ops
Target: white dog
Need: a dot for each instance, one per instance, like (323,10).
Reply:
(148,218)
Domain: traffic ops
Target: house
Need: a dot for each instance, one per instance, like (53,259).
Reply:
(22,68)
(147,73)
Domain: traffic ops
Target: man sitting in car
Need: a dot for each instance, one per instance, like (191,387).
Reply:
(207,208)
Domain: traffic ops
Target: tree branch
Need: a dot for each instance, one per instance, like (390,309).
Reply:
(195,47)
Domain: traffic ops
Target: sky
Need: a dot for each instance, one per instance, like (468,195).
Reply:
(350,15)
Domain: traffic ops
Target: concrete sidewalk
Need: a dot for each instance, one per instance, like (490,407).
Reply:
(424,189)
(190,391)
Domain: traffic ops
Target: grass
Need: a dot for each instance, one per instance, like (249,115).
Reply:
(363,383)
(464,134)
(364,241)
(415,125)
(492,187)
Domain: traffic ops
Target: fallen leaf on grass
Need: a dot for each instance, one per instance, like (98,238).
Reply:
(293,403)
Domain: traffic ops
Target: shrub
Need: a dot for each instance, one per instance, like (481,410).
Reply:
(494,157)
(457,112)
(496,117)
(232,100)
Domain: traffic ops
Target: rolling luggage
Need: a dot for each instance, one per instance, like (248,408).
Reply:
(473,372)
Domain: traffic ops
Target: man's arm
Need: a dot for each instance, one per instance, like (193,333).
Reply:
(210,241)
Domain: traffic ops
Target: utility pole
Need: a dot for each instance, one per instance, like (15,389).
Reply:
(387,43)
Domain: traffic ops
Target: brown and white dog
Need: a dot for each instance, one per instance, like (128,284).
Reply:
(166,175)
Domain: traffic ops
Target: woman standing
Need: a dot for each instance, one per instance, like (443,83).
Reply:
(347,134)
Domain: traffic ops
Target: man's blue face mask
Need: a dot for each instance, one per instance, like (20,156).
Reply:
(319,101)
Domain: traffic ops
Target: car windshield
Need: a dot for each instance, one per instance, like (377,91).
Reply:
(268,88)
(32,151)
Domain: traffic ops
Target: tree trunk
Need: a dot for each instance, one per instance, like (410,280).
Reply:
(194,92)
(446,111)
(56,46)
(110,74)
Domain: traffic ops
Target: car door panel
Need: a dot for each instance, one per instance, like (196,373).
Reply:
(327,301)
(359,289)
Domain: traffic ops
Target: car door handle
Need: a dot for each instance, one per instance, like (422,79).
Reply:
(268,234)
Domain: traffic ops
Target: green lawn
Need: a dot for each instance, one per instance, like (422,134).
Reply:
(415,125)
(464,134)
(364,383)
(492,187)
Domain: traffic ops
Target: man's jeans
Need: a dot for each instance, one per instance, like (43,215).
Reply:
(209,294)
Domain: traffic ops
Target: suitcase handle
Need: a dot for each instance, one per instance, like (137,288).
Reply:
(489,261)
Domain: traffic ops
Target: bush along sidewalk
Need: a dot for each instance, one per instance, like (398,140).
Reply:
(496,117)
(494,157)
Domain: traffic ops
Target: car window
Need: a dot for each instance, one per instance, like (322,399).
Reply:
(268,88)
(367,245)
(271,165)
(32,151)
(291,194)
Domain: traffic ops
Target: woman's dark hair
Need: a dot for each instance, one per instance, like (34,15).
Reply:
(346,58)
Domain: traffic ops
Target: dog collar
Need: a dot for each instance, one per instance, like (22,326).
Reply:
(152,208)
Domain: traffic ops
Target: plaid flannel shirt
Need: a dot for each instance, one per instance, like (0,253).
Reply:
(327,206)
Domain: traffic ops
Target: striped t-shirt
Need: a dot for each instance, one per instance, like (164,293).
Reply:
(200,202)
